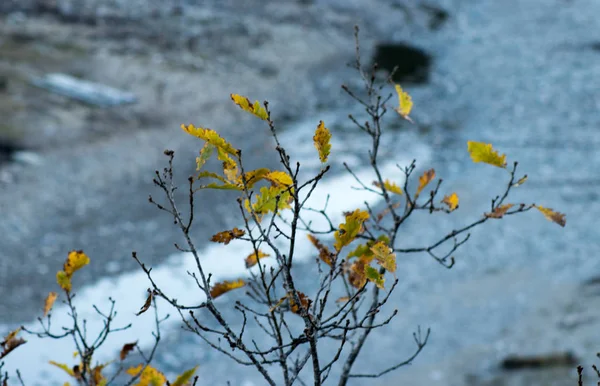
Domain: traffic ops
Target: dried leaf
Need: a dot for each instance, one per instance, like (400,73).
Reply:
(184,378)
(253,258)
(484,152)
(127,348)
(225,237)
(343,299)
(385,256)
(225,286)
(373,275)
(246,105)
(63,280)
(324,253)
(321,140)
(550,214)
(500,211)
(50,299)
(147,304)
(350,229)
(75,261)
(11,342)
(356,274)
(304,300)
(389,186)
(451,201)
(424,180)
(405,103)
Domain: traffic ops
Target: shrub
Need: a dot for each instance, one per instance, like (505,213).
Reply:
(356,258)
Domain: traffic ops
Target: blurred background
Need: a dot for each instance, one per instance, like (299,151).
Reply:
(76,164)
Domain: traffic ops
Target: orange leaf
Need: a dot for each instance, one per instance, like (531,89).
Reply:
(451,201)
(225,286)
(553,216)
(50,299)
(324,253)
(253,258)
(127,348)
(147,304)
(424,180)
(500,211)
(225,237)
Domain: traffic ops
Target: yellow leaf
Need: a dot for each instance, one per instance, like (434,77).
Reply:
(11,342)
(499,212)
(205,154)
(424,180)
(484,152)
(451,201)
(373,275)
(246,105)
(324,254)
(405,103)
(553,216)
(99,379)
(389,186)
(50,299)
(253,259)
(63,280)
(385,256)
(270,199)
(75,261)
(66,368)
(279,179)
(225,237)
(211,137)
(363,252)
(350,229)
(133,371)
(184,378)
(225,286)
(321,139)
(252,177)
(66,384)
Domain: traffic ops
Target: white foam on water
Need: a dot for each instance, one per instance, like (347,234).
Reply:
(223,262)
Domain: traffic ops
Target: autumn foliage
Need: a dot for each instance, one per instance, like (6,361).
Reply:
(357,258)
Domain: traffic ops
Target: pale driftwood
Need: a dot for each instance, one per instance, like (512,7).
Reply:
(95,94)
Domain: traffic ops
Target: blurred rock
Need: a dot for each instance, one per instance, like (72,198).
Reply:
(517,362)
(413,63)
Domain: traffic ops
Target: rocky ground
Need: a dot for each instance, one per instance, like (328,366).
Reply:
(519,74)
